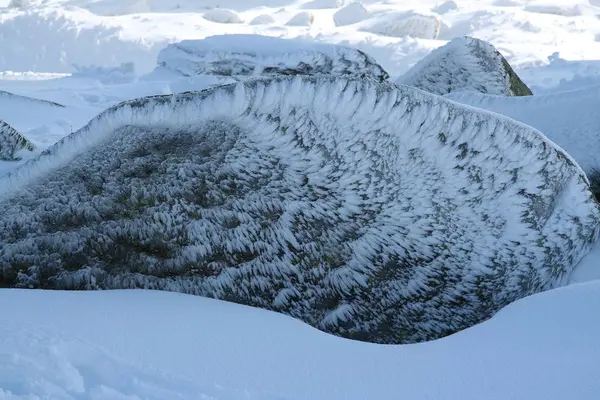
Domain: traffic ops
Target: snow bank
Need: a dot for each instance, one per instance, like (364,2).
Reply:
(247,55)
(11,142)
(570,119)
(301,19)
(402,24)
(86,344)
(368,210)
(465,64)
(223,16)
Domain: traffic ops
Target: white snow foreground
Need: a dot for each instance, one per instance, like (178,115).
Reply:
(251,55)
(112,345)
(570,119)
(465,64)
(12,142)
(365,209)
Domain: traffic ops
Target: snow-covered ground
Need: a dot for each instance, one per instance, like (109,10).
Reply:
(87,55)
(155,345)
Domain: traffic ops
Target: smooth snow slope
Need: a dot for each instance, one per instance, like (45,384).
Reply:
(570,119)
(370,210)
(131,345)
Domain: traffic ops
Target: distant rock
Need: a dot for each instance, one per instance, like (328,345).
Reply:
(11,142)
(351,14)
(369,210)
(301,19)
(242,56)
(465,64)
(223,16)
(404,24)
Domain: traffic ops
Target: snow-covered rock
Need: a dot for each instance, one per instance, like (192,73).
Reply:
(223,16)
(445,7)
(301,19)
(570,119)
(263,19)
(351,14)
(465,64)
(369,210)
(402,24)
(251,55)
(11,142)
(324,4)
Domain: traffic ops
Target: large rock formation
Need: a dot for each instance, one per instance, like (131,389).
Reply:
(465,64)
(369,210)
(241,56)
(11,142)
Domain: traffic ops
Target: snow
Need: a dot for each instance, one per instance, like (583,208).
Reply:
(156,345)
(277,158)
(88,55)
(301,19)
(570,119)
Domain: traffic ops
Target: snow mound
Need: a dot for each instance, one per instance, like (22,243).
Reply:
(570,119)
(251,55)
(11,142)
(351,14)
(301,19)
(402,24)
(555,7)
(223,16)
(263,19)
(365,209)
(545,345)
(15,98)
(465,64)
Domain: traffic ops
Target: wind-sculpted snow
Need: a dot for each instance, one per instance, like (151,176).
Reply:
(570,119)
(250,55)
(11,142)
(369,210)
(465,64)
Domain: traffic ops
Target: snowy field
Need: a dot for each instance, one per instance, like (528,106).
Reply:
(64,61)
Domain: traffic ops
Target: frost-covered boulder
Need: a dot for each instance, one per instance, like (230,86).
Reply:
(445,7)
(11,142)
(369,210)
(403,24)
(351,14)
(465,64)
(570,119)
(223,16)
(250,55)
(302,19)
(263,19)
(324,4)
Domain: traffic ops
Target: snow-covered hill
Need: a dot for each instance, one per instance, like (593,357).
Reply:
(397,217)
(465,65)
(570,119)
(153,345)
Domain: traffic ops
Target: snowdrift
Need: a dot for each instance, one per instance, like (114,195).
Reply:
(404,24)
(365,209)
(247,55)
(570,119)
(11,142)
(465,64)
(545,346)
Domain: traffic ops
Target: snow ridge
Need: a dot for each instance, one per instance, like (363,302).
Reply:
(465,64)
(251,55)
(570,119)
(365,209)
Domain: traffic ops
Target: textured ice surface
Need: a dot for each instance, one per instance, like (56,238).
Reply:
(246,55)
(369,210)
(465,64)
(404,24)
(570,119)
